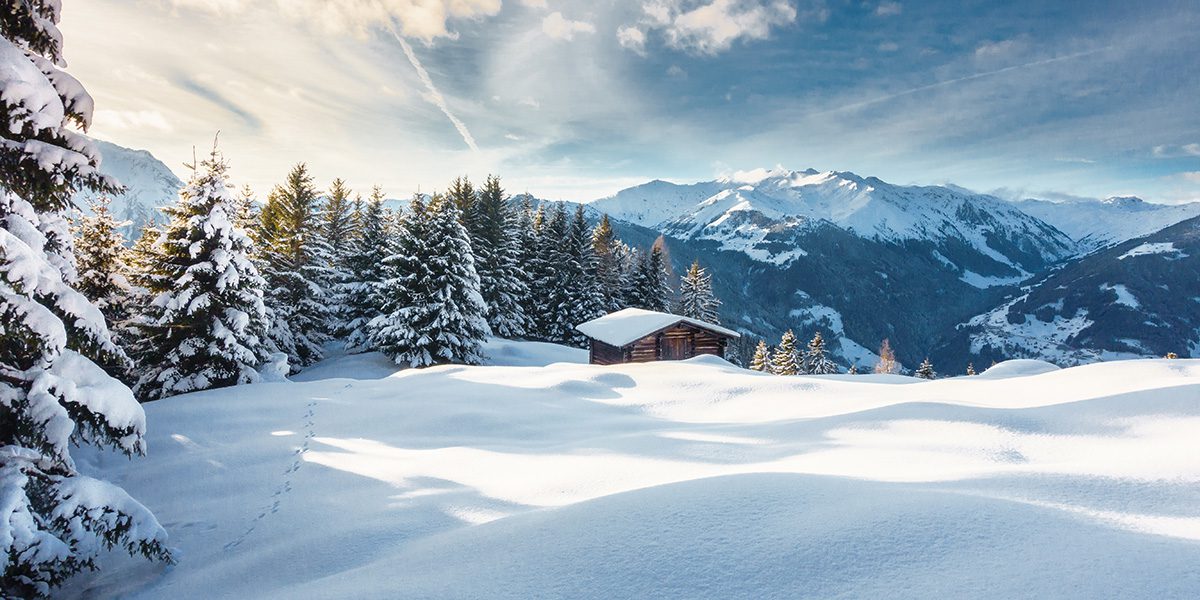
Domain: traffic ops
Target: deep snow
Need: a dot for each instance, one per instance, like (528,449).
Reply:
(680,480)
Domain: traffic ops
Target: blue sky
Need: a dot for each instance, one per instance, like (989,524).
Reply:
(577,99)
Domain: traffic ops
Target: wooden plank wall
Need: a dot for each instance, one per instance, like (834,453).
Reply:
(604,354)
(643,350)
(649,348)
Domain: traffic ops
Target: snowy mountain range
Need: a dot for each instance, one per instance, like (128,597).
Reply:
(762,213)
(1137,298)
(935,269)
(926,266)
(148,183)
(1094,224)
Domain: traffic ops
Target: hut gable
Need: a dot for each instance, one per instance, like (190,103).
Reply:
(636,335)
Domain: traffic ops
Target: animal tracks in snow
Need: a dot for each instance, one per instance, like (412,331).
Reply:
(285,487)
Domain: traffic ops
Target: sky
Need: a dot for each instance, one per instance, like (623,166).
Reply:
(577,99)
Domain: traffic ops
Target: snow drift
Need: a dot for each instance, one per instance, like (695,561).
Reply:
(686,479)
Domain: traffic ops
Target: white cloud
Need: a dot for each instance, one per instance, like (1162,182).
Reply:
(889,47)
(421,19)
(676,72)
(632,38)
(131,119)
(213,6)
(534,3)
(559,27)
(1170,151)
(888,9)
(713,27)
(996,49)
(1192,176)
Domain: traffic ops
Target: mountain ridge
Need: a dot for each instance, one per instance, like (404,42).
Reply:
(854,257)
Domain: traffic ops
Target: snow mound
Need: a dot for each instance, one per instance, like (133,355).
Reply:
(1023,367)
(338,364)
(711,360)
(673,479)
(507,353)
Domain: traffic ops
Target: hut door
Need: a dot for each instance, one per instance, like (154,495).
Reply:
(677,347)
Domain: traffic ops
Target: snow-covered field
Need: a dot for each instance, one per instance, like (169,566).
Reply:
(673,480)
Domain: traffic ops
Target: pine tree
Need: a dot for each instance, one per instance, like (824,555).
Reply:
(609,267)
(461,194)
(53,521)
(498,246)
(925,371)
(584,300)
(297,269)
(853,370)
(361,292)
(337,221)
(338,231)
(552,267)
(101,261)
(696,299)
(526,237)
(648,287)
(887,359)
(244,212)
(815,361)
(970,368)
(761,359)
(784,360)
(206,325)
(433,313)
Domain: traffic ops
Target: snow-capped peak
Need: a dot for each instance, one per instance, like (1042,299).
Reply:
(742,209)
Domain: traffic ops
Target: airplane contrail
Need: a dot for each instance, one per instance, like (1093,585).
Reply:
(434,95)
(958,80)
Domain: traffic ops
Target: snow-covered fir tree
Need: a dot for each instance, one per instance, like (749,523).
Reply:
(887,359)
(584,298)
(648,288)
(101,262)
(527,235)
(338,230)
(970,368)
(785,361)
(297,262)
(141,272)
(925,371)
(761,361)
(815,360)
(610,271)
(498,246)
(244,212)
(337,221)
(463,196)
(206,324)
(433,312)
(53,520)
(696,299)
(552,266)
(360,293)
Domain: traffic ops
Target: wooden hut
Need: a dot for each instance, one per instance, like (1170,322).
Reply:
(636,335)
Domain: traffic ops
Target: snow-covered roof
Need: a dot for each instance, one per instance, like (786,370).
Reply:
(631,324)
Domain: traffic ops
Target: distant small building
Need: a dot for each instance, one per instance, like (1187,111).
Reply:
(636,335)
